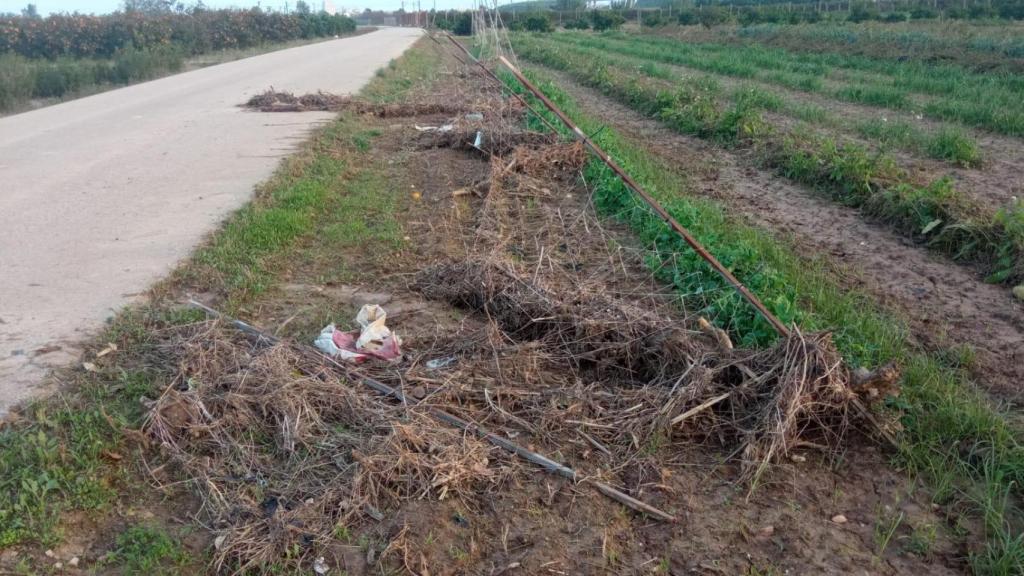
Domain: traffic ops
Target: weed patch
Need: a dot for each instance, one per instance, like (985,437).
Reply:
(146,550)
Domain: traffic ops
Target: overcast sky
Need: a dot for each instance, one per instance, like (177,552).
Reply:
(104,6)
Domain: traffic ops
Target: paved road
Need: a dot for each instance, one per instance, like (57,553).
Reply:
(102,196)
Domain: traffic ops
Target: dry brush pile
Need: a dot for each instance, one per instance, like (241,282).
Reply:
(284,451)
(573,350)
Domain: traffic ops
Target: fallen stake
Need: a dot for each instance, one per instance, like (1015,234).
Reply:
(441,415)
(700,407)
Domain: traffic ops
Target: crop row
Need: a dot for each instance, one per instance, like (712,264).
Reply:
(967,43)
(935,213)
(966,451)
(948,143)
(989,101)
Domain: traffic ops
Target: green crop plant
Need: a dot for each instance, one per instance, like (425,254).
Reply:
(849,173)
(990,101)
(897,134)
(953,144)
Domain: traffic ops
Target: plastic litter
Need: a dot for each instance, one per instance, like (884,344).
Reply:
(437,363)
(442,128)
(372,340)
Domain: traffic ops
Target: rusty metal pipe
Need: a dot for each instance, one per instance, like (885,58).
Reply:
(650,201)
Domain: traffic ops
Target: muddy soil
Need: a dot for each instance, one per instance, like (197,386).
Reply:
(945,304)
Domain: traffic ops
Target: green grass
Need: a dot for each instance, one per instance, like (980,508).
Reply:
(22,79)
(886,526)
(953,144)
(147,551)
(977,45)
(936,213)
(59,458)
(240,258)
(952,437)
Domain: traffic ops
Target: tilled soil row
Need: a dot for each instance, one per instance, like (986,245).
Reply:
(946,304)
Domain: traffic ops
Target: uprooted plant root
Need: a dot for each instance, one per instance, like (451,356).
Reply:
(275,101)
(769,401)
(605,336)
(283,450)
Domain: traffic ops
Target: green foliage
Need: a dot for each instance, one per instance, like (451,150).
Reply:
(882,96)
(458,23)
(687,17)
(17,81)
(202,30)
(532,22)
(712,15)
(654,19)
(990,101)
(953,144)
(146,551)
(861,11)
(581,24)
(602,20)
(54,461)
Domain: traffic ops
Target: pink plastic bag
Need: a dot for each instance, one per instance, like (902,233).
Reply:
(372,340)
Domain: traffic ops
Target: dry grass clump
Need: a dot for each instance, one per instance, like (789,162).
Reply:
(551,161)
(493,140)
(283,450)
(276,101)
(638,376)
(599,334)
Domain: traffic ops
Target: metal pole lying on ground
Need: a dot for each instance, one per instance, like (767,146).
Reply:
(650,201)
(452,420)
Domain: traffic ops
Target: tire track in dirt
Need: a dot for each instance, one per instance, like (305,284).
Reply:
(944,303)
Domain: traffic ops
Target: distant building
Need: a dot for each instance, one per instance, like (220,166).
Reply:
(328,7)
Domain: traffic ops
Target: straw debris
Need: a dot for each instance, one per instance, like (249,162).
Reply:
(283,451)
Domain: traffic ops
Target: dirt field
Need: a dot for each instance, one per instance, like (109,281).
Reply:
(519,310)
(947,304)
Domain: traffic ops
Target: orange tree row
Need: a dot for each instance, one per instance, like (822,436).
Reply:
(197,31)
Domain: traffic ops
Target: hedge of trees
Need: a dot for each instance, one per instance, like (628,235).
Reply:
(711,12)
(195,31)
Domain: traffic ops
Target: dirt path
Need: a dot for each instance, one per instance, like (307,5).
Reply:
(103,195)
(945,304)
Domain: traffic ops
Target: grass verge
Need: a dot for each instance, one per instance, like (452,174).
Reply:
(78,452)
(965,449)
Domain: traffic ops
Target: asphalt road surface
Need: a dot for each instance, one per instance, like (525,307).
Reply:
(102,196)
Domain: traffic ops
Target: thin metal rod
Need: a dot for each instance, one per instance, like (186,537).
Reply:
(452,420)
(650,201)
